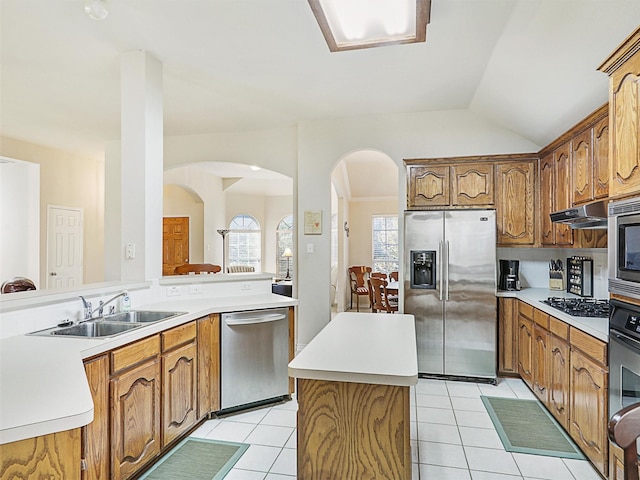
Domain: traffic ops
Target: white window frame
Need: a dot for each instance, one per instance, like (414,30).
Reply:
(385,263)
(244,227)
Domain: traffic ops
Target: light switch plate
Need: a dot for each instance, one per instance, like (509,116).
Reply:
(195,289)
(309,247)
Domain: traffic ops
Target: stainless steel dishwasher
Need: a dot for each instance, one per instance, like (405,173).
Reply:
(254,357)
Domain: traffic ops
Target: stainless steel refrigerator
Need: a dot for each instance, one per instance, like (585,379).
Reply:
(450,287)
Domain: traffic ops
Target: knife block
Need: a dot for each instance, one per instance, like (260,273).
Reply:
(556,280)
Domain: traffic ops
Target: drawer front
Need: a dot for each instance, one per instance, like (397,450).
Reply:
(541,318)
(525,309)
(589,345)
(178,336)
(559,328)
(134,353)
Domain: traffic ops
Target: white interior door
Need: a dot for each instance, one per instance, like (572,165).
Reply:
(64,247)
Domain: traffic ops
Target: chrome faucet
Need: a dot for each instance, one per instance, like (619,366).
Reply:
(88,312)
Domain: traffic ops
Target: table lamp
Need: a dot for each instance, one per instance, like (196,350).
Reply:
(288,254)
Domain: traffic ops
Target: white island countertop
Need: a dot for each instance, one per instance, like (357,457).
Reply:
(375,348)
(43,385)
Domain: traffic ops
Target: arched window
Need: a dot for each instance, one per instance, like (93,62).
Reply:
(244,241)
(284,240)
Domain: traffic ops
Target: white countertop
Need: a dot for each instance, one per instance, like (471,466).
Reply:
(596,327)
(376,348)
(43,386)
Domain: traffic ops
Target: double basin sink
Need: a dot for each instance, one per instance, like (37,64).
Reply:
(108,325)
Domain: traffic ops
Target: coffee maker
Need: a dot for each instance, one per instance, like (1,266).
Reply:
(509,275)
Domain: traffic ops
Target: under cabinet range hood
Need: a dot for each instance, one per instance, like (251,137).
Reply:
(591,215)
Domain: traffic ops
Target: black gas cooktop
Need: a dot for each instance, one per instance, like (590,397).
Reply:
(580,307)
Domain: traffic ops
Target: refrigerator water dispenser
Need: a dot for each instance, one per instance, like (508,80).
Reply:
(423,271)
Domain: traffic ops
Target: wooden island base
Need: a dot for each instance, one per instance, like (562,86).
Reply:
(353,431)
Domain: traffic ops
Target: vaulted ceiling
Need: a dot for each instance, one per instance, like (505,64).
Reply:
(239,65)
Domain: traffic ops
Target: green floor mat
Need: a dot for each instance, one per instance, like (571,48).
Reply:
(525,426)
(197,459)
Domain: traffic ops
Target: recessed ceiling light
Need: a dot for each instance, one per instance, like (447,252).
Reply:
(255,168)
(354,24)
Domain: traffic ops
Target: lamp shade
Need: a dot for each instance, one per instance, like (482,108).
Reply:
(287,252)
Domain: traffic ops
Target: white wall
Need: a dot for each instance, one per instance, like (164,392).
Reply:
(360,240)
(19,220)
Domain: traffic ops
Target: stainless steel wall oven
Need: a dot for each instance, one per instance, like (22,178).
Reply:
(624,355)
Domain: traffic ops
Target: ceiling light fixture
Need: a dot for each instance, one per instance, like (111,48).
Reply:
(354,24)
(96,9)
(255,168)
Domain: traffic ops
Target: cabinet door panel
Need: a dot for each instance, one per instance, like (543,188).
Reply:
(429,186)
(472,184)
(525,349)
(179,382)
(95,436)
(562,192)
(507,336)
(547,204)
(588,406)
(582,161)
(515,211)
(135,418)
(540,364)
(626,128)
(601,159)
(559,380)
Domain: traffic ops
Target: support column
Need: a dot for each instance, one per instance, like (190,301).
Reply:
(141,166)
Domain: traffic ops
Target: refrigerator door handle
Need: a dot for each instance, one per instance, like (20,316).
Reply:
(446,243)
(440,268)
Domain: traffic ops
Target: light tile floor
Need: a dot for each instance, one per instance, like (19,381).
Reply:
(452,437)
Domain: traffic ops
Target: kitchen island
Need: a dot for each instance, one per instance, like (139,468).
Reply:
(353,383)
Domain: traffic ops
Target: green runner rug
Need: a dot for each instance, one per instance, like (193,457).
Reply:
(197,459)
(525,426)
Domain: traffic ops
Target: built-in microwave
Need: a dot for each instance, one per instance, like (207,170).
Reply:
(624,247)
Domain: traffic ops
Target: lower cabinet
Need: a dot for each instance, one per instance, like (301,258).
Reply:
(51,457)
(559,380)
(525,345)
(95,436)
(507,336)
(588,394)
(567,371)
(135,407)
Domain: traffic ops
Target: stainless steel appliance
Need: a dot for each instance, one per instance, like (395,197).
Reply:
(509,275)
(450,286)
(589,216)
(580,307)
(624,356)
(254,357)
(624,247)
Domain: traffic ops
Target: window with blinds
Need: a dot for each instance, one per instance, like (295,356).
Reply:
(385,243)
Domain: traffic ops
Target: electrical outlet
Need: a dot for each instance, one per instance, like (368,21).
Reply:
(173,291)
(246,286)
(195,289)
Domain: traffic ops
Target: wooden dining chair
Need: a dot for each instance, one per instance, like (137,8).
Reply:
(196,268)
(381,300)
(358,276)
(624,430)
(393,276)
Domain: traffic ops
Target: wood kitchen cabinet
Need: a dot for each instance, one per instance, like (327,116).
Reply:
(179,381)
(208,364)
(515,212)
(455,183)
(589,397)
(429,186)
(52,457)
(525,343)
(135,406)
(547,185)
(600,132)
(623,68)
(562,192)
(559,371)
(472,184)
(95,436)
(540,370)
(582,162)
(507,336)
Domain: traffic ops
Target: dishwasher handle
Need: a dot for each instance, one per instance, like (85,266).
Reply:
(271,317)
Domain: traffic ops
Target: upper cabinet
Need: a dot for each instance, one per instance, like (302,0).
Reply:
(515,211)
(562,194)
(455,185)
(623,68)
